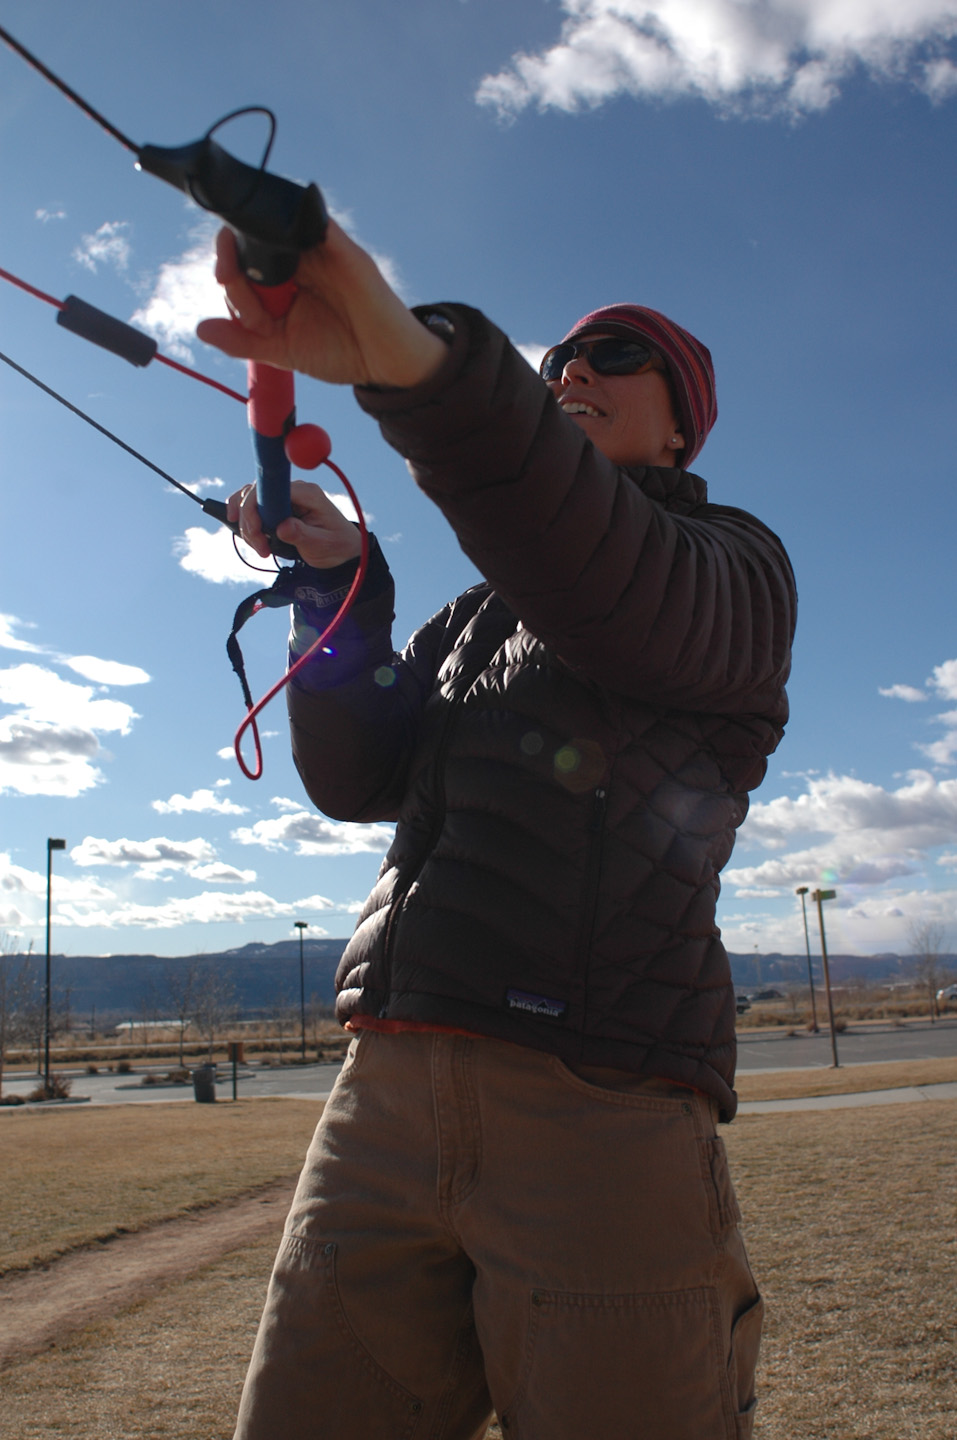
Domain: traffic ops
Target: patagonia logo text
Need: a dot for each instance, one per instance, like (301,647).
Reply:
(535,1004)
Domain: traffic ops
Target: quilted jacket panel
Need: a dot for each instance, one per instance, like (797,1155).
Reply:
(567,750)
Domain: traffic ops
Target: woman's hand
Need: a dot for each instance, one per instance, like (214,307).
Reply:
(317,528)
(346,325)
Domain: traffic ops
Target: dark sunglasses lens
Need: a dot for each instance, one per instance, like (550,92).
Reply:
(618,357)
(606,357)
(555,361)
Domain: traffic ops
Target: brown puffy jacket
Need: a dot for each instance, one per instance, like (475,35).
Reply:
(567,749)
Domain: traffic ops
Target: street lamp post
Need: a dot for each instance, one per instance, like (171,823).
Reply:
(820,896)
(802,891)
(300,926)
(51,846)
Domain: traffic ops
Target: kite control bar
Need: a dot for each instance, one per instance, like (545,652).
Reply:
(274,221)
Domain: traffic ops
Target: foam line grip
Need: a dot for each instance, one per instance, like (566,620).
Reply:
(272,414)
(105,330)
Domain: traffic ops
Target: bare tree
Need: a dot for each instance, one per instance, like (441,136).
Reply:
(16,990)
(150,1007)
(926,938)
(281,1012)
(181,983)
(214,1004)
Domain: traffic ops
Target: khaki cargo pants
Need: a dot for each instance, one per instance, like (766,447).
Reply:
(479,1226)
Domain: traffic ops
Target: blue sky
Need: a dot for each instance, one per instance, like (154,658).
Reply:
(778,177)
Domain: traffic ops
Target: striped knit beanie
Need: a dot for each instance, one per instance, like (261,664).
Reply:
(688,363)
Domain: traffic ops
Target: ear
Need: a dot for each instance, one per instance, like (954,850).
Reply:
(677,441)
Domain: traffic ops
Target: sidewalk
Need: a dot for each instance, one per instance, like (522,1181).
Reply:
(905,1096)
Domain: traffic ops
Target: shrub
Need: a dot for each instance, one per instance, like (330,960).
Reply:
(123,1067)
(92,1069)
(59,1088)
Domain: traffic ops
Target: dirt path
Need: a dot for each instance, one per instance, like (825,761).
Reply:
(39,1307)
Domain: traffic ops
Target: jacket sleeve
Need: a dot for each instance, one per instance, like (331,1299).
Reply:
(693,610)
(354,711)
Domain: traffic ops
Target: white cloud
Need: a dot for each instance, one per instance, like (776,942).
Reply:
(10,641)
(750,56)
(41,758)
(201,802)
(42,695)
(924,810)
(45,216)
(856,924)
(944,679)
(200,486)
(85,903)
(532,353)
(155,854)
(105,672)
(904,692)
(109,245)
(313,835)
(219,873)
(210,554)
(940,80)
(185,292)
(209,908)
(871,835)
(20,887)
(49,743)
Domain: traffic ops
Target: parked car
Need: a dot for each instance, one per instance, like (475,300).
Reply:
(949,992)
(743,1003)
(766,994)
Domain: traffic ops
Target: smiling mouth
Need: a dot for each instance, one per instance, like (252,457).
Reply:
(578,407)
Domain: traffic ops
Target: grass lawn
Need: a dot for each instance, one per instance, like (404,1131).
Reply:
(849,1215)
(79,1173)
(846,1080)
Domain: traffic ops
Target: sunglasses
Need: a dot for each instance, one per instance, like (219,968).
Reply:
(610,356)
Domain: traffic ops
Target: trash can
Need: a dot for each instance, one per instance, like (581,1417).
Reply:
(204,1084)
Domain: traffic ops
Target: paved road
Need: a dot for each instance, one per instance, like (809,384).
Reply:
(311,1082)
(762,1050)
(860,1045)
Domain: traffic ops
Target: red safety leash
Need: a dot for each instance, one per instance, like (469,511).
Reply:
(271,409)
(318,644)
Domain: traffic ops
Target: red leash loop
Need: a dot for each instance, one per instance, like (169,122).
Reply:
(250,720)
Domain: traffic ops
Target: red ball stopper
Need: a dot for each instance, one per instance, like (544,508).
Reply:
(307,446)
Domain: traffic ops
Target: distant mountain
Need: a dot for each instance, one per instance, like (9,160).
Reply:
(264,977)
(124,987)
(749,971)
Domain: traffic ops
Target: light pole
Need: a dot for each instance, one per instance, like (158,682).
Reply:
(51,846)
(300,926)
(820,896)
(802,891)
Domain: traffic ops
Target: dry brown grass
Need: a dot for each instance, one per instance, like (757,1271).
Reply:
(169,1369)
(851,1226)
(79,1174)
(850,1219)
(847,1080)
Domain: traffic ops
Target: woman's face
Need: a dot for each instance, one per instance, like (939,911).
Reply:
(630,418)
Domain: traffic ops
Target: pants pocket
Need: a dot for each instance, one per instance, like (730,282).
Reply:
(625,1367)
(745,1344)
(728,1213)
(310,1372)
